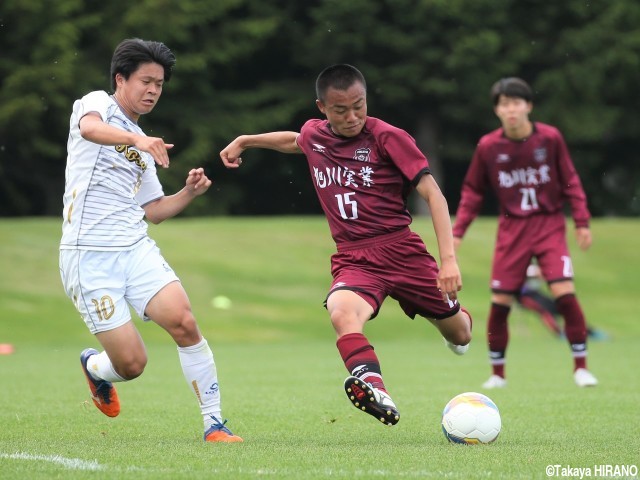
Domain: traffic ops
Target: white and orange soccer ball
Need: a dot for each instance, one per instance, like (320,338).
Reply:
(471,418)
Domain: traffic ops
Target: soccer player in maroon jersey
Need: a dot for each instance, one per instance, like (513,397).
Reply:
(363,170)
(528,167)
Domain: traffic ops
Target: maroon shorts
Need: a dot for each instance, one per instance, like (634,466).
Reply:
(396,265)
(521,239)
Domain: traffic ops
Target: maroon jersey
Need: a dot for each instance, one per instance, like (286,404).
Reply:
(529,177)
(362,182)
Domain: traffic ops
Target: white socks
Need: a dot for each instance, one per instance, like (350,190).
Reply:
(200,372)
(101,368)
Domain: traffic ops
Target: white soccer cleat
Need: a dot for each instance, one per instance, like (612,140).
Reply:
(495,381)
(457,349)
(584,378)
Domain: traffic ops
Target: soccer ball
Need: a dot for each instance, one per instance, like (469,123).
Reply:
(471,418)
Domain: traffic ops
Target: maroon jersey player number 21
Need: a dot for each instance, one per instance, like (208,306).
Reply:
(527,166)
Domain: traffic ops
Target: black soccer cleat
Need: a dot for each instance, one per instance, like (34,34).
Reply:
(371,400)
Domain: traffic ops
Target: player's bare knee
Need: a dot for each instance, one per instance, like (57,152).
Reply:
(462,332)
(132,372)
(463,337)
(457,336)
(133,368)
(341,318)
(185,331)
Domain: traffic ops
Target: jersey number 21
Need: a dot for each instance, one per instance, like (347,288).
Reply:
(529,200)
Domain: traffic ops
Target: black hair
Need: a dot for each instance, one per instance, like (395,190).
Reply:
(132,52)
(340,77)
(511,87)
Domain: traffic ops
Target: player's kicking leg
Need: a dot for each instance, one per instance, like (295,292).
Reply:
(364,387)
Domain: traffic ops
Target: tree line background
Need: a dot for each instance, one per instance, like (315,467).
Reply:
(248,66)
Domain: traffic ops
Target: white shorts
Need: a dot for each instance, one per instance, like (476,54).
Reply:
(102,285)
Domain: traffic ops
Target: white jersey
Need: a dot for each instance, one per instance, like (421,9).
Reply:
(105,185)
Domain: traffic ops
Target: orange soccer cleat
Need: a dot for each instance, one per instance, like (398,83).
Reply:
(219,433)
(103,393)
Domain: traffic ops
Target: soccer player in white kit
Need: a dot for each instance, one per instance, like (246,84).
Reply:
(107,260)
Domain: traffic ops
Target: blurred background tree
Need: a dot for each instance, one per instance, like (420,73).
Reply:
(247,66)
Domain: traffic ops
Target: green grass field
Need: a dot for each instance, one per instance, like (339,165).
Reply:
(281,375)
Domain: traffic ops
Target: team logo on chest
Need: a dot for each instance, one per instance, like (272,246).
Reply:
(362,154)
(540,154)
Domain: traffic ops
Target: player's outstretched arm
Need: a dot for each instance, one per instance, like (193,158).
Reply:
(284,142)
(93,129)
(449,278)
(169,206)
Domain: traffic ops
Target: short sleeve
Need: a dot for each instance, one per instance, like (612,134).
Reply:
(401,148)
(150,188)
(98,102)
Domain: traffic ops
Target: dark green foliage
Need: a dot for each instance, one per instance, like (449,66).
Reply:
(246,66)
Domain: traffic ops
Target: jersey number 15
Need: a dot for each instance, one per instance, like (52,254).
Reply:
(346,203)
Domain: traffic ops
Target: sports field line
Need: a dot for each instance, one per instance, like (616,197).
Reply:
(70,463)
(93,465)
